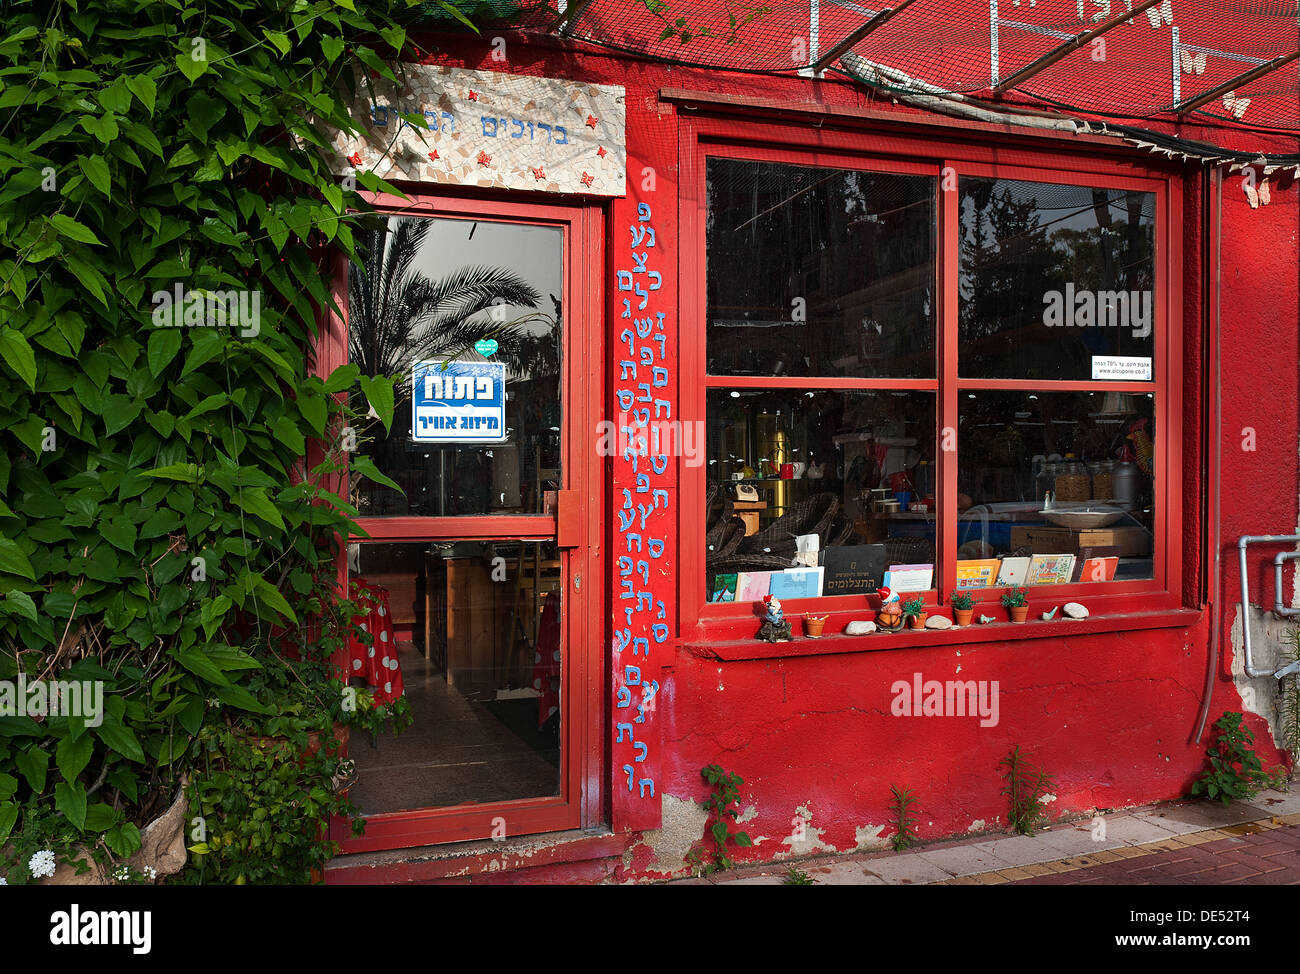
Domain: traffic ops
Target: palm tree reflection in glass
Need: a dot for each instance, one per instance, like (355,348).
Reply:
(398,315)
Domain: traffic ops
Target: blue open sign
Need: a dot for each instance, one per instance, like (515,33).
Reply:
(465,402)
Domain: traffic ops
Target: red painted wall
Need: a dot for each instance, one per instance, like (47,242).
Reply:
(1110,715)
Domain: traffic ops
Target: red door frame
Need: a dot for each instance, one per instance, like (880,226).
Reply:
(777,141)
(582,675)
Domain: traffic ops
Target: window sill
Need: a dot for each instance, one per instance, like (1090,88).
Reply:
(993,632)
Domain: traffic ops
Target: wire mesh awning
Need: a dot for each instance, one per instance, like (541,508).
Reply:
(1231,64)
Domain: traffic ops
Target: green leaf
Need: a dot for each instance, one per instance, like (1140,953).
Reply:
(279,40)
(119,532)
(314,409)
(96,170)
(378,391)
(70,801)
(190,67)
(185,472)
(144,89)
(73,230)
(13,561)
(72,756)
(33,763)
(123,839)
(254,500)
(8,816)
(100,817)
(164,343)
(18,355)
(208,344)
(331,47)
(20,603)
(361,464)
(342,378)
(196,661)
(237,696)
(204,112)
(271,596)
(120,738)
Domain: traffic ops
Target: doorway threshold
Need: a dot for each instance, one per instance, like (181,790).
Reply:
(583,856)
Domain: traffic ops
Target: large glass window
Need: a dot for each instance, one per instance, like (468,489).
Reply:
(437,291)
(1056,281)
(819,271)
(832,414)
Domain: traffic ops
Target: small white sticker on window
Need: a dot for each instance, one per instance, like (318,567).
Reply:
(1121,367)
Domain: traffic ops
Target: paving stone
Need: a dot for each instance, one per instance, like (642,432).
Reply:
(847,874)
(1172,825)
(1273,803)
(1074,842)
(1019,850)
(906,869)
(965,860)
(1206,815)
(1133,830)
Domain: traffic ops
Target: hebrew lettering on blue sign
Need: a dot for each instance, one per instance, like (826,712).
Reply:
(463,403)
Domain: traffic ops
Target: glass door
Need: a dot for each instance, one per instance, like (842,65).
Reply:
(469,573)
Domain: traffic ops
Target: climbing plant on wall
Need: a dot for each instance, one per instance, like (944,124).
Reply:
(167,528)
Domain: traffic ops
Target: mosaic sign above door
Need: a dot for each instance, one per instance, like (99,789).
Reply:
(494,130)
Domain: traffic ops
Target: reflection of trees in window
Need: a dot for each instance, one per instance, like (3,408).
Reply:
(397,314)
(1007,260)
(1020,241)
(818,271)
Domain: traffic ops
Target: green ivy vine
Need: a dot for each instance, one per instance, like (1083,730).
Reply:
(168,523)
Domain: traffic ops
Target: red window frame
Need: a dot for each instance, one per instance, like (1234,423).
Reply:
(705,137)
(582,678)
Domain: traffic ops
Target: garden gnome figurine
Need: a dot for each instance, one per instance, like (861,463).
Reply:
(775,627)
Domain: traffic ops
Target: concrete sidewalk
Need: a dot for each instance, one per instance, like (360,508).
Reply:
(1190,842)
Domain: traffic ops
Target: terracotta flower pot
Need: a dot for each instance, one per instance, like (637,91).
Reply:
(1018,612)
(813,626)
(962,616)
(916,622)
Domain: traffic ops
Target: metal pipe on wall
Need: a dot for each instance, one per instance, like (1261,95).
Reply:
(1278,607)
(1242,542)
(1214,201)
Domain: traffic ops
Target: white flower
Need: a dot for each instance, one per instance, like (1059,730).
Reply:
(152,873)
(3,881)
(121,874)
(42,864)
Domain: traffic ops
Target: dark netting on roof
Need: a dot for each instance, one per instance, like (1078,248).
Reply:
(1153,59)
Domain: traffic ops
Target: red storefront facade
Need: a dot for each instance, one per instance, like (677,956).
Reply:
(660,682)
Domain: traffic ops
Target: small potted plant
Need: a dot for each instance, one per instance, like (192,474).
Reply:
(813,625)
(914,612)
(963,604)
(1017,603)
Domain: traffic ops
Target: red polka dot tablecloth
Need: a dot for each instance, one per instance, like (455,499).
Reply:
(377,663)
(546,660)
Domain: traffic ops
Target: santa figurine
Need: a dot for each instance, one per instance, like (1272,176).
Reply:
(775,627)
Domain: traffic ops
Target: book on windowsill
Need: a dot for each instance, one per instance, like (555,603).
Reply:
(1050,570)
(853,569)
(1013,571)
(752,586)
(797,583)
(909,578)
(980,573)
(724,588)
